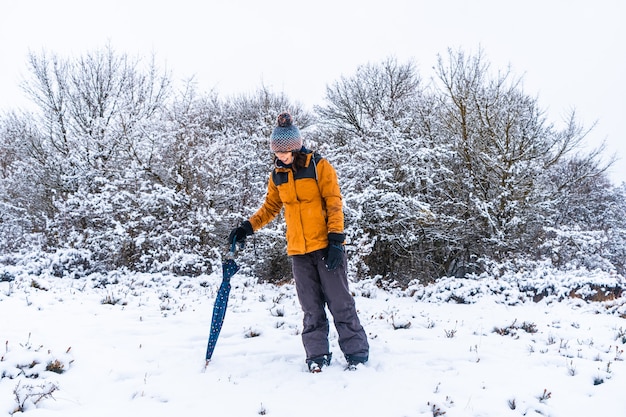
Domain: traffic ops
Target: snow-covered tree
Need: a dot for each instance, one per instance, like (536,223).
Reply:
(503,150)
(369,130)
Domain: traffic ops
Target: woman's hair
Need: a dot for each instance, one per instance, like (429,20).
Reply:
(299,160)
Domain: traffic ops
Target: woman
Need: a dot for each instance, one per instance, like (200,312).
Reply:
(306,185)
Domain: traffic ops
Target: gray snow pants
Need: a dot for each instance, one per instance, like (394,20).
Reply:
(317,287)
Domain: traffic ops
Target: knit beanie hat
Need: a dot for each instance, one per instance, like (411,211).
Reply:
(286,136)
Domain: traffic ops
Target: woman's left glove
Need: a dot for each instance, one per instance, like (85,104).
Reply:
(335,250)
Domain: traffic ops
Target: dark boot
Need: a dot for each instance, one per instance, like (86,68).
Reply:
(316,364)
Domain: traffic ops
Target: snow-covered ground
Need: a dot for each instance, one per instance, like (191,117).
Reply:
(134,345)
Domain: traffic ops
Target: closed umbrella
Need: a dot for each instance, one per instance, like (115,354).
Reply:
(229,268)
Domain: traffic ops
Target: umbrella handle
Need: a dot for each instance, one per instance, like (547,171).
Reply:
(233,248)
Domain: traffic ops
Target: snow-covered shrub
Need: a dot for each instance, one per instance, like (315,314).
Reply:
(6,276)
(189,264)
(73,263)
(520,281)
(25,360)
(265,254)
(28,396)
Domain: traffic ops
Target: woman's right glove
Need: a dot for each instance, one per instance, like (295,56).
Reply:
(335,250)
(240,233)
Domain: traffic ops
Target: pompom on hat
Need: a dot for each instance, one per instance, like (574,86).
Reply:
(286,136)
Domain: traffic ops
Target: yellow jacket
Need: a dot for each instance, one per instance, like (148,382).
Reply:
(312,201)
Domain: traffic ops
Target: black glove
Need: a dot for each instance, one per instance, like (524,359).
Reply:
(240,233)
(335,250)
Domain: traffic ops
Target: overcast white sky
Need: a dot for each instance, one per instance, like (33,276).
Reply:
(570,53)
